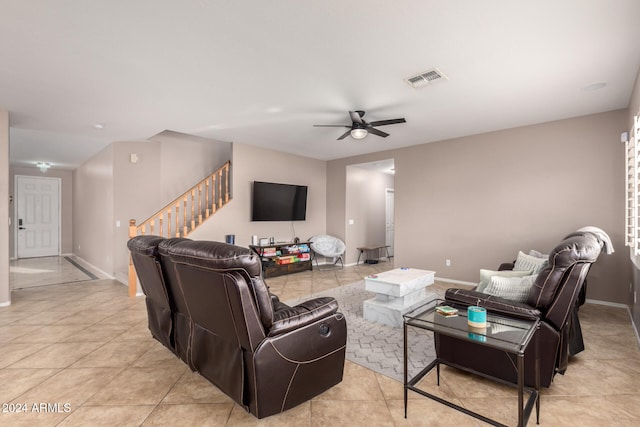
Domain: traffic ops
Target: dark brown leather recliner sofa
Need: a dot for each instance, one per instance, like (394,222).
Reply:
(268,357)
(552,299)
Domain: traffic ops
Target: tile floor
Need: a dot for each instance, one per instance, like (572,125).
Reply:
(79,353)
(31,272)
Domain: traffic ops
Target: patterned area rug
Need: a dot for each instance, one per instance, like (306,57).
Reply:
(376,346)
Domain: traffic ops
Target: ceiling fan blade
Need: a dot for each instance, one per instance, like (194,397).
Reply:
(344,135)
(377,132)
(387,122)
(356,117)
(331,126)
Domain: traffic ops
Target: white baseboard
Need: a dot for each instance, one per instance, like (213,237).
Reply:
(86,264)
(457,282)
(5,304)
(331,263)
(122,278)
(607,303)
(635,329)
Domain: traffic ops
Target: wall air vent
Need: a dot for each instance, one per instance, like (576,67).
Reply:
(426,78)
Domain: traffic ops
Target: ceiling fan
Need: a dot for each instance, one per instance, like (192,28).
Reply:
(359,128)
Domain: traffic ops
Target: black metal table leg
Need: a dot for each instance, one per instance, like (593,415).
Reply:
(537,384)
(521,390)
(406,376)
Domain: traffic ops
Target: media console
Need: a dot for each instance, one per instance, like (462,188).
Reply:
(284,258)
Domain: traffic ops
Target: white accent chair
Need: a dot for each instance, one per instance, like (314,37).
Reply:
(328,247)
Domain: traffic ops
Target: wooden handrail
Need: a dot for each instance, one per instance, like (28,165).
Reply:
(190,206)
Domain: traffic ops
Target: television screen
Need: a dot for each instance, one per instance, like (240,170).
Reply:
(278,202)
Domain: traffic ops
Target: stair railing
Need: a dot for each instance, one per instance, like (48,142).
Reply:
(185,213)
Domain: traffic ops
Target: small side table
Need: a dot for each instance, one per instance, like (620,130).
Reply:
(364,249)
(426,317)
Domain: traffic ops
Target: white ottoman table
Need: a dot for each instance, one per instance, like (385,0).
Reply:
(397,292)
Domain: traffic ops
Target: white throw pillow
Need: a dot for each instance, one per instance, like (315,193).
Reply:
(485,276)
(512,288)
(530,262)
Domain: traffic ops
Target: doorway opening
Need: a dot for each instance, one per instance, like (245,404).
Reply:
(369,204)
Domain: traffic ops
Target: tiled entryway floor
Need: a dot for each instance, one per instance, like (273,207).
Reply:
(85,346)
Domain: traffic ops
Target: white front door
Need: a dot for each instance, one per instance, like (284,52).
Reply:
(37,216)
(390,220)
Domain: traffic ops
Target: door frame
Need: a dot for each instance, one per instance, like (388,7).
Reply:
(15,209)
(388,191)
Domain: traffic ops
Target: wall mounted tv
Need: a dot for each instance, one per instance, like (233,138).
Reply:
(278,202)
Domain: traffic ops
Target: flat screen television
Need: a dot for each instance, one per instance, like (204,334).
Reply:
(278,202)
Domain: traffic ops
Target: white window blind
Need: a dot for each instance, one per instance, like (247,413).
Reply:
(632,181)
(630,208)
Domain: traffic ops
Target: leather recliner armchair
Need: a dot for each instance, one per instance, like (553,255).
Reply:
(551,299)
(166,312)
(268,357)
(181,320)
(144,254)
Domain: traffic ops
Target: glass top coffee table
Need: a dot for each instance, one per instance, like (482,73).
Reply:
(520,333)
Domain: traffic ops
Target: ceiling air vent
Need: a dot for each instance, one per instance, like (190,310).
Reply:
(426,78)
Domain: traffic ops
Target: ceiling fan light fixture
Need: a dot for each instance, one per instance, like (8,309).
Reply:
(359,128)
(358,133)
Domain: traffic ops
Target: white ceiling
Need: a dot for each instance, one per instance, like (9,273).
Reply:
(384,166)
(263,72)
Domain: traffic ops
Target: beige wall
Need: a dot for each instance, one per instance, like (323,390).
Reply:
(113,190)
(137,194)
(180,171)
(66,204)
(634,101)
(365,205)
(257,164)
(477,200)
(5,293)
(93,196)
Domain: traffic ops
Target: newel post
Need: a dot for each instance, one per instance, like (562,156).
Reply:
(133,283)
